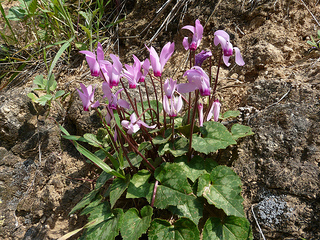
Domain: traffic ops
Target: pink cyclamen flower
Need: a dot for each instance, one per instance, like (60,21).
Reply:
(87,97)
(113,98)
(111,72)
(169,87)
(197,31)
(158,63)
(214,111)
(134,125)
(198,79)
(200,57)
(222,38)
(145,68)
(173,108)
(133,73)
(200,109)
(93,60)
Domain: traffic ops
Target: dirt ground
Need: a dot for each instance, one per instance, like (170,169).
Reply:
(272,37)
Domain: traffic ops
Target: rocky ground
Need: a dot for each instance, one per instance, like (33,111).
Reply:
(278,93)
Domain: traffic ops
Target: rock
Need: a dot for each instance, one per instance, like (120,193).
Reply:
(280,164)
(34,175)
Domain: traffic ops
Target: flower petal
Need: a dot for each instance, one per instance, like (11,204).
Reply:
(185,43)
(186,87)
(100,53)
(239,59)
(222,34)
(123,103)
(221,40)
(166,53)
(189,27)
(226,60)
(107,91)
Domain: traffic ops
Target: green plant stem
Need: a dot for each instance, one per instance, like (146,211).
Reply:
(192,125)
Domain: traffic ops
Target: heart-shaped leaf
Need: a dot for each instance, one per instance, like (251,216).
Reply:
(222,189)
(182,229)
(231,228)
(133,226)
(214,136)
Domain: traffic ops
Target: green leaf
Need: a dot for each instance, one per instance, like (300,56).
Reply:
(197,166)
(231,114)
(133,226)
(59,94)
(33,6)
(166,196)
(139,185)
(106,230)
(86,30)
(215,136)
(153,104)
(161,140)
(43,99)
(239,131)
(135,159)
(192,209)
(58,55)
(174,175)
(183,229)
(51,84)
(93,208)
(93,157)
(92,139)
(117,188)
(39,80)
(232,228)
(75,138)
(103,178)
(180,147)
(32,96)
(222,189)
(313,44)
(85,201)
(185,130)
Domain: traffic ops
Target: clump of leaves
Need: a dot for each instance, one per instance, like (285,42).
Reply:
(315,43)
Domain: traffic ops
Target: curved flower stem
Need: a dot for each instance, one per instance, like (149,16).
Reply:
(128,96)
(125,151)
(110,134)
(192,125)
(141,100)
(215,88)
(172,138)
(145,85)
(154,192)
(135,149)
(157,100)
(216,81)
(164,112)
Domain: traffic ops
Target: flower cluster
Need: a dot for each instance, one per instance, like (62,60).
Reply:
(172,92)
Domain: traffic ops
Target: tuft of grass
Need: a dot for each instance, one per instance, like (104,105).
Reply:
(45,27)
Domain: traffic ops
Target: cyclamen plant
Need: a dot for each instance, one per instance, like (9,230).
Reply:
(166,182)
